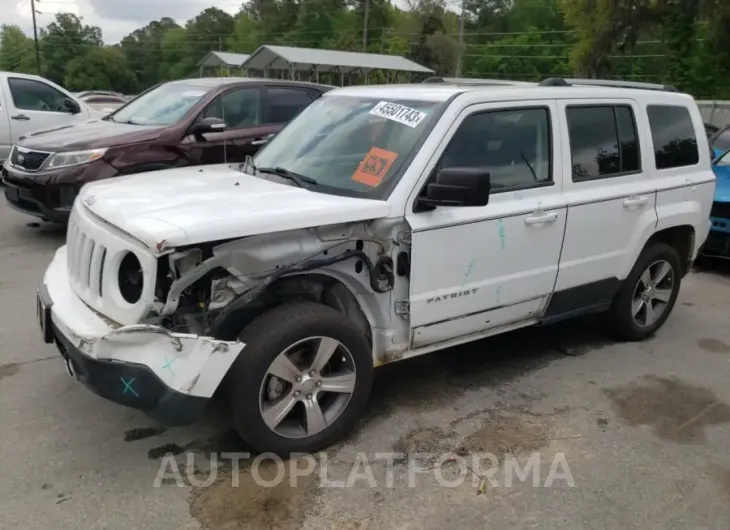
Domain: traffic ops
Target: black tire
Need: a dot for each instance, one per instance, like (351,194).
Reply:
(265,338)
(622,320)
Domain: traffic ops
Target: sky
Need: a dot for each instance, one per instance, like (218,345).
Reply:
(116,18)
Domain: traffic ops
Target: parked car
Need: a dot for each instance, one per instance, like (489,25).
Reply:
(29,103)
(105,103)
(720,140)
(718,241)
(180,123)
(382,223)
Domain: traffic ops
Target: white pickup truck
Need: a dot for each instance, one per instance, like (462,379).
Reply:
(384,222)
(31,103)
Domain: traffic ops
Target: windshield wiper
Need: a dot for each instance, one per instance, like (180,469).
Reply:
(299,180)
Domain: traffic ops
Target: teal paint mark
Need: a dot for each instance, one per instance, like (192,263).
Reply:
(497,293)
(128,386)
(468,272)
(168,363)
(502,235)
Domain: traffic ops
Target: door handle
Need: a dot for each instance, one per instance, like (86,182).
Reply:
(19,117)
(635,201)
(541,218)
(259,141)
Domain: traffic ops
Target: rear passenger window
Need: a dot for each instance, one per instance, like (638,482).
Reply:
(675,143)
(603,141)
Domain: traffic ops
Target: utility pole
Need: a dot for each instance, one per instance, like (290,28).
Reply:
(35,39)
(461,41)
(365,26)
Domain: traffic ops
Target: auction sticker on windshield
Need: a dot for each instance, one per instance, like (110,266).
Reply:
(399,113)
(374,167)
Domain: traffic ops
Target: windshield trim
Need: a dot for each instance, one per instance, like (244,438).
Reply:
(391,183)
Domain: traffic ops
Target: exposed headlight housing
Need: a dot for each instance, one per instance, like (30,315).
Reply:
(131,278)
(75,158)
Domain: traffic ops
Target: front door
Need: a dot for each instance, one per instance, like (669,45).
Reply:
(35,106)
(475,269)
(246,130)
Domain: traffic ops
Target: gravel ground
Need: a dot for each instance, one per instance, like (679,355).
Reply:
(621,435)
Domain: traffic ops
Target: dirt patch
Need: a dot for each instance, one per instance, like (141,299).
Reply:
(675,411)
(713,346)
(507,435)
(602,423)
(141,433)
(225,442)
(251,505)
(8,370)
(722,476)
(424,440)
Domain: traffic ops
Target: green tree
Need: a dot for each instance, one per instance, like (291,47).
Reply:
(17,53)
(64,40)
(143,49)
(208,31)
(101,68)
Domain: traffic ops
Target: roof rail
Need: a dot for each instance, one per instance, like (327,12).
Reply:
(474,81)
(562,81)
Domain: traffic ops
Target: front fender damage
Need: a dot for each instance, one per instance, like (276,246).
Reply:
(190,364)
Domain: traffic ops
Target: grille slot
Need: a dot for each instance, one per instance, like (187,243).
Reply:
(27,159)
(86,259)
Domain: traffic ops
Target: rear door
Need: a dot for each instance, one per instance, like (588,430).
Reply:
(284,102)
(610,189)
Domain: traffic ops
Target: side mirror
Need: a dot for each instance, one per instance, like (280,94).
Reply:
(71,106)
(456,186)
(209,125)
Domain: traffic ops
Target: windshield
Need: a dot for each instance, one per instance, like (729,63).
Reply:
(163,105)
(351,145)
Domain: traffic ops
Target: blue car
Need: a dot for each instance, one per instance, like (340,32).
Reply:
(718,241)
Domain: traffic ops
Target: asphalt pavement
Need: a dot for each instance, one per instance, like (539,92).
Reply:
(618,435)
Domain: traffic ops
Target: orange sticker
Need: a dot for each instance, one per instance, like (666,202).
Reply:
(374,167)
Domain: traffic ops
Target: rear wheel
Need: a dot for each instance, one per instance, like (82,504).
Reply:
(649,293)
(301,381)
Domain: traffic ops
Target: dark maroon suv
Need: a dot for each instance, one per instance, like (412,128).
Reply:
(180,123)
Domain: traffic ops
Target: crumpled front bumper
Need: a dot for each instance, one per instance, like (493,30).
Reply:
(169,376)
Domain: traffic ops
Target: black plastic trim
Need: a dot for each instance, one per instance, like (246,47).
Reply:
(594,297)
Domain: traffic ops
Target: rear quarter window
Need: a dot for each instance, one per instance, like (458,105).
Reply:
(673,136)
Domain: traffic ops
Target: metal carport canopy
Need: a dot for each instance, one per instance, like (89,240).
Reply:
(309,59)
(231,60)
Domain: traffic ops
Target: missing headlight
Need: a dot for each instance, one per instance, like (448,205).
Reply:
(131,278)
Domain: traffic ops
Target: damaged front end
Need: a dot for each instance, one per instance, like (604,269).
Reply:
(168,375)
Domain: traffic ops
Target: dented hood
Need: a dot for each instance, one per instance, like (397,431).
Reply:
(193,205)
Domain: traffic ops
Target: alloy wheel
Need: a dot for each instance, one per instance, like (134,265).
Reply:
(307,387)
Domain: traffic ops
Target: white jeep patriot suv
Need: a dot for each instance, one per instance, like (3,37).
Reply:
(382,223)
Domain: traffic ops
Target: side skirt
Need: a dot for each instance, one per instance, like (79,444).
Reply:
(594,297)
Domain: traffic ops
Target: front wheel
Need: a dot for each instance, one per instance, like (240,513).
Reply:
(649,293)
(302,380)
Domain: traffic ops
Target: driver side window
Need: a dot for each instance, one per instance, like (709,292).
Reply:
(33,95)
(513,146)
(239,108)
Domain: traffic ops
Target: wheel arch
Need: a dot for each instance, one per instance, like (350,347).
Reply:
(681,238)
(321,287)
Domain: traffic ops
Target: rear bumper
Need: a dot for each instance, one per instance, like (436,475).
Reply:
(717,243)
(169,376)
